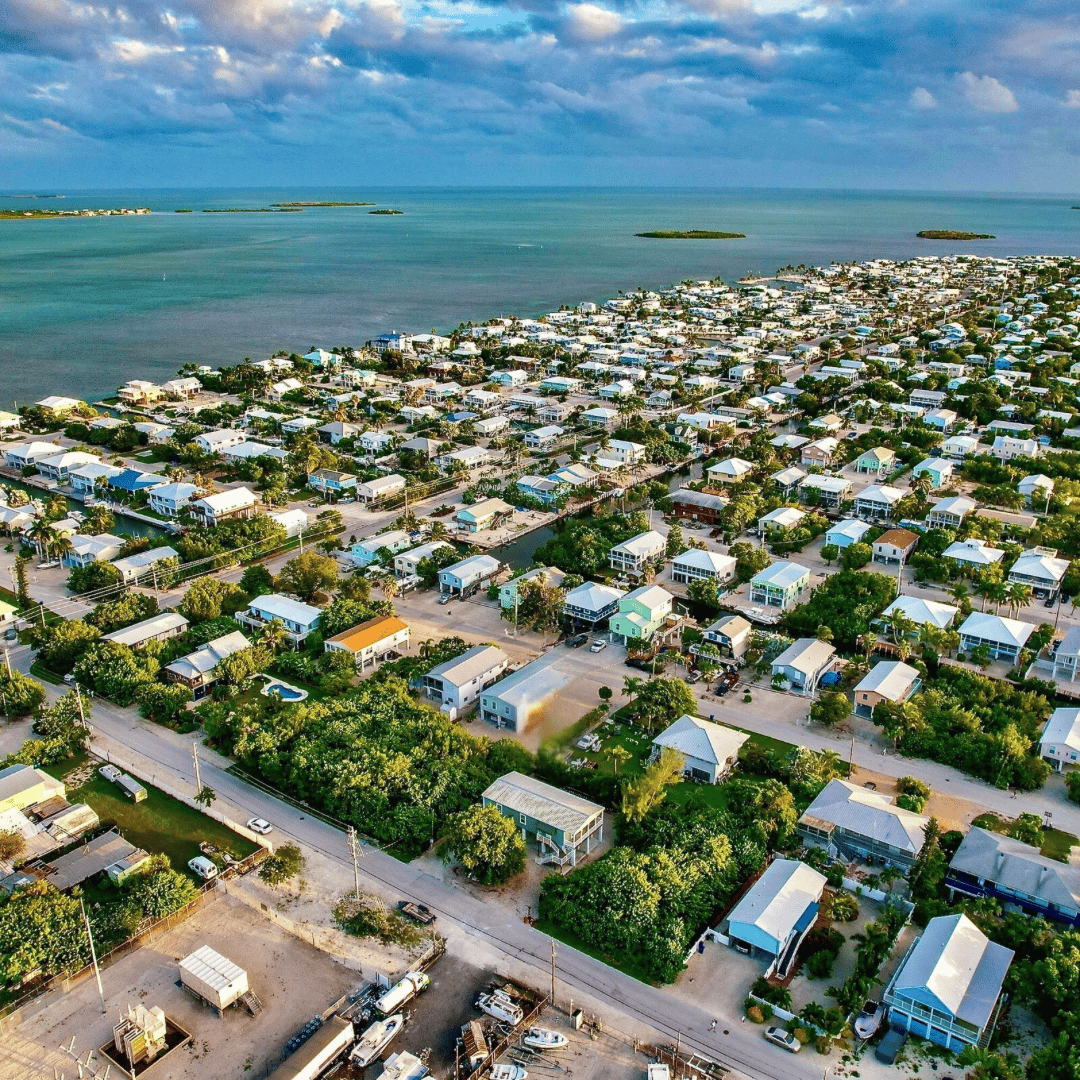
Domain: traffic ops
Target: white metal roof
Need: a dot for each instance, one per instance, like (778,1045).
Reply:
(1062,729)
(778,899)
(891,679)
(542,802)
(283,607)
(988,627)
(868,814)
(922,611)
(212,968)
(701,739)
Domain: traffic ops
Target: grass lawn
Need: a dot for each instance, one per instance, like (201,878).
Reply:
(156,454)
(625,964)
(159,823)
(1056,843)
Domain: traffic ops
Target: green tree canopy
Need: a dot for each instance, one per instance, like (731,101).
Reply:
(486,844)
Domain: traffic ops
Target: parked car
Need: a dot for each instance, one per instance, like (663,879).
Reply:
(203,867)
(598,646)
(577,641)
(588,742)
(446,598)
(260,825)
(694,677)
(722,689)
(417,912)
(779,1037)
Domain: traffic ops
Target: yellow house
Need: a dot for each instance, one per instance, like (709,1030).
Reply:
(21,786)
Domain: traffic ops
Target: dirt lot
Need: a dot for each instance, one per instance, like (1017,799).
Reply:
(293,980)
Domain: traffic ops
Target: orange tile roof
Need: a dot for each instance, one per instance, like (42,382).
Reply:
(370,632)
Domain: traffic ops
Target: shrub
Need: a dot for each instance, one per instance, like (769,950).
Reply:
(284,864)
(819,965)
(755,1012)
(844,907)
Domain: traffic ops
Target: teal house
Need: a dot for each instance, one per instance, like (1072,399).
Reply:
(641,614)
(564,827)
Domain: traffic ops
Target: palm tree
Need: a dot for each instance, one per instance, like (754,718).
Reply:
(632,686)
(619,756)
(274,636)
(1018,595)
(60,547)
(390,587)
(42,533)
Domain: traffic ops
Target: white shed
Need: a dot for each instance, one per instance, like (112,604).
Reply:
(212,977)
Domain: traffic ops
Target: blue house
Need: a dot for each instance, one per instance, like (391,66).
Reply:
(948,987)
(134,480)
(331,482)
(776,912)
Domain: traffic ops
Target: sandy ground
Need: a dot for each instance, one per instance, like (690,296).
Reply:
(293,980)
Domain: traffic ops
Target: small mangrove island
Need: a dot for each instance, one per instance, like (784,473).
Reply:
(290,205)
(953,234)
(253,210)
(387,212)
(691,234)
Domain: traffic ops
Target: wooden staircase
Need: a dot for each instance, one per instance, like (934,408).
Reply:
(251,1002)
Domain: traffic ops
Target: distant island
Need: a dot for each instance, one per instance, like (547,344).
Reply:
(385,211)
(952,234)
(692,234)
(255,210)
(289,205)
(124,211)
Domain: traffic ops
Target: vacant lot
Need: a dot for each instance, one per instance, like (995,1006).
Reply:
(159,823)
(293,980)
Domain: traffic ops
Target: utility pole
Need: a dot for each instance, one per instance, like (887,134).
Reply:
(357,854)
(7,663)
(552,972)
(93,957)
(198,774)
(300,533)
(82,715)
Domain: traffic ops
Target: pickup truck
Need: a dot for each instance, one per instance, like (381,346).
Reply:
(417,912)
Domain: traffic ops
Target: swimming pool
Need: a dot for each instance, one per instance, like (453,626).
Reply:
(283,689)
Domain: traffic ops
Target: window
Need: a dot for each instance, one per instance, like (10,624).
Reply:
(522,819)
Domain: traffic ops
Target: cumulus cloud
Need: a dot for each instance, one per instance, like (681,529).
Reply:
(922,99)
(985,93)
(1072,99)
(587,22)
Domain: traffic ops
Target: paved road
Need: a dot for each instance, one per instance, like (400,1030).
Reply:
(159,755)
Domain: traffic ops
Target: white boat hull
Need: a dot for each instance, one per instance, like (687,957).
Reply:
(376,1039)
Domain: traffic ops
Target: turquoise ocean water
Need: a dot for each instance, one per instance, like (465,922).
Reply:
(87,304)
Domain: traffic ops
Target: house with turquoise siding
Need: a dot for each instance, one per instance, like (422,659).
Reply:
(331,481)
(548,575)
(564,827)
(641,614)
(939,470)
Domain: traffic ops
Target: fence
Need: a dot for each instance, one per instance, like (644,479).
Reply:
(145,934)
(505,1042)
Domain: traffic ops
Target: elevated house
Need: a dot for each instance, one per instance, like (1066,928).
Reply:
(779,585)
(199,671)
(457,684)
(709,751)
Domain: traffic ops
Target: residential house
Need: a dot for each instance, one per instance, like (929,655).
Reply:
(697,565)
(132,481)
(927,399)
(365,552)
(847,532)
(141,567)
(554,412)
(600,416)
(973,552)
(465,577)
(709,751)
(1036,490)
(222,506)
(827,491)
(876,502)
(731,635)
(895,546)
(543,438)
(199,671)
(854,823)
(564,827)
(509,378)
(22,786)
(169,499)
(406,562)
(1041,570)
(466,457)
(426,448)
(485,514)
(1004,638)
(91,549)
(25,455)
(938,470)
(635,554)
(921,612)
(382,487)
(1067,656)
(298,619)
(294,522)
(515,701)
(623,452)
(620,388)
(1015,875)
(456,684)
(783,517)
(337,430)
(788,480)
(545,489)
(641,614)
(690,505)
(803,663)
(820,452)
(1059,742)
(948,988)
(889,680)
(1006,448)
(590,604)
(59,466)
(959,447)
(331,483)
(730,471)
(58,405)
(160,627)
(547,575)
(491,425)
(774,915)
(373,640)
(482,401)
(214,442)
(84,480)
(250,450)
(779,585)
(949,513)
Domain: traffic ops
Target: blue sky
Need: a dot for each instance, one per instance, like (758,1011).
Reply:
(926,94)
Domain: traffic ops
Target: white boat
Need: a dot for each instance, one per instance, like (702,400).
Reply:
(376,1039)
(501,1006)
(538,1038)
(869,1019)
(508,1072)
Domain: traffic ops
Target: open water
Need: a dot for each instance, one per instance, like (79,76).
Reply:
(87,304)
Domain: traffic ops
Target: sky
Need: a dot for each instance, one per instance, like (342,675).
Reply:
(901,94)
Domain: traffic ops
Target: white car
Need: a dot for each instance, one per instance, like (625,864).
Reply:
(203,867)
(779,1037)
(598,646)
(260,825)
